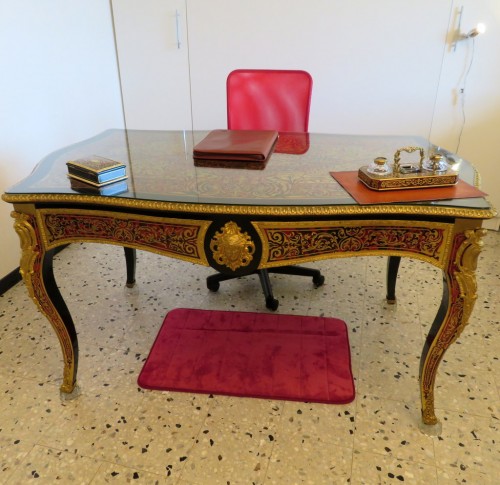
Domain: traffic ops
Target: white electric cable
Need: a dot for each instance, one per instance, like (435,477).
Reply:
(462,93)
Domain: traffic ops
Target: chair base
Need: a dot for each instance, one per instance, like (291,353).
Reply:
(213,281)
(271,303)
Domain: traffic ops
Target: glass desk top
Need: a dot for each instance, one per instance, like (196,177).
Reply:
(160,167)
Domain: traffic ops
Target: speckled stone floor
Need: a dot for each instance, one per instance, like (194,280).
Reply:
(117,433)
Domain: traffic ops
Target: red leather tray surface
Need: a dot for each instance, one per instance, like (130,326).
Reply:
(363,195)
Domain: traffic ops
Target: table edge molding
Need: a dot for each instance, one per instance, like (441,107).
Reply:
(255,210)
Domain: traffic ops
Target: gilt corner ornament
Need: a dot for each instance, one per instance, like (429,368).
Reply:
(231,247)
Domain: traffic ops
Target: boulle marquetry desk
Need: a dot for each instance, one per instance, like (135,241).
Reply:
(245,218)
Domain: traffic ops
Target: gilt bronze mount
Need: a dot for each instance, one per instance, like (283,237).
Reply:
(231,247)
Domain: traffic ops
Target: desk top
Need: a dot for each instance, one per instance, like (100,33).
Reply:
(162,174)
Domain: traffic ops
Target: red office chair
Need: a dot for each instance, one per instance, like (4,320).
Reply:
(269,100)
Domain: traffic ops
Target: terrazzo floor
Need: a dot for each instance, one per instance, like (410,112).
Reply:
(115,432)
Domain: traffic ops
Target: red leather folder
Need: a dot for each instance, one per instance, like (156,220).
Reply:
(236,145)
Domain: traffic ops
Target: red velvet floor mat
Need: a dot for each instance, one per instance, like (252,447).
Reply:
(262,355)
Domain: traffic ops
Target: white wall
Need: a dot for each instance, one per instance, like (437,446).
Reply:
(476,111)
(58,84)
(375,64)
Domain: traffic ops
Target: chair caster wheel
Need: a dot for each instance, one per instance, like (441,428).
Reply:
(318,281)
(272,304)
(213,285)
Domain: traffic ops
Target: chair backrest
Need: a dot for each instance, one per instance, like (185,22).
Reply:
(264,99)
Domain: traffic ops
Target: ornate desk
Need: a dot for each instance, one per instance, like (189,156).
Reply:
(242,219)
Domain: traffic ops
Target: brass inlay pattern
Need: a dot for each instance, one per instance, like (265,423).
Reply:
(463,294)
(294,242)
(265,210)
(231,247)
(30,269)
(465,274)
(179,238)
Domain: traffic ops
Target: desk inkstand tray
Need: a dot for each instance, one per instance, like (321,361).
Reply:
(434,172)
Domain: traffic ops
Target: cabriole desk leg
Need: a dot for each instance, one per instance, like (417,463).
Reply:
(392,274)
(459,296)
(130,261)
(38,276)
